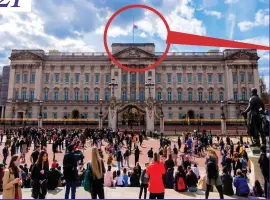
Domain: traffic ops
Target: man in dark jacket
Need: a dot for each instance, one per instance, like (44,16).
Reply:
(70,169)
(150,155)
(54,176)
(144,182)
(264,165)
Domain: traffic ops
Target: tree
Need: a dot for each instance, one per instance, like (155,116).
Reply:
(264,92)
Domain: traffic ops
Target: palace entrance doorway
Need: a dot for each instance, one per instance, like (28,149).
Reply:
(131,116)
(75,114)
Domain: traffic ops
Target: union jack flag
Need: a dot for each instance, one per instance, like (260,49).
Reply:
(135,26)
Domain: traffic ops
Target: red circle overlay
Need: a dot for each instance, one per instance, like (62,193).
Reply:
(106,31)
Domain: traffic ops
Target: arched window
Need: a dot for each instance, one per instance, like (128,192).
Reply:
(124,95)
(190,96)
(86,95)
(141,95)
(96,95)
(66,95)
(76,95)
(56,95)
(169,95)
(24,94)
(244,95)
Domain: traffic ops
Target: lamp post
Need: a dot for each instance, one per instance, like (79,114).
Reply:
(223,119)
(4,118)
(161,116)
(100,114)
(40,114)
(149,84)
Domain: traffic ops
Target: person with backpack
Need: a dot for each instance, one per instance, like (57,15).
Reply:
(180,184)
(264,165)
(70,163)
(212,174)
(150,154)
(144,182)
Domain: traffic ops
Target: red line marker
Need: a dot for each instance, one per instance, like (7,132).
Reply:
(190,39)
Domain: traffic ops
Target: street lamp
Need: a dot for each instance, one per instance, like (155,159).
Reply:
(223,118)
(100,114)
(161,117)
(40,113)
(149,85)
(113,84)
(4,118)
(161,108)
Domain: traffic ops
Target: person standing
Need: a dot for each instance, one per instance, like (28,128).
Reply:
(144,182)
(70,163)
(150,154)
(179,143)
(156,172)
(98,171)
(5,154)
(212,174)
(40,176)
(264,165)
(137,154)
(12,180)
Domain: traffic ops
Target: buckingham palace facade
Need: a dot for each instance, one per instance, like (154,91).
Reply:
(57,85)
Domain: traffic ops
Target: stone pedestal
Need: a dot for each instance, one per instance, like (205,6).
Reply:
(223,127)
(150,118)
(162,124)
(112,119)
(255,150)
(100,124)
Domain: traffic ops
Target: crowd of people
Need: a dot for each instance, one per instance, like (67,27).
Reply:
(172,166)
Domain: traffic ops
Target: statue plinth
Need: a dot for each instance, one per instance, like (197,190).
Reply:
(255,150)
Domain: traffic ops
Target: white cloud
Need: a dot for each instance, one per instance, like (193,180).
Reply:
(230,1)
(213,13)
(113,31)
(143,35)
(261,19)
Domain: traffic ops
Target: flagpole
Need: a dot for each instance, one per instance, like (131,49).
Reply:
(133,29)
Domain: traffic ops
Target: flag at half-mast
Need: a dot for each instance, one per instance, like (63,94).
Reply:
(135,26)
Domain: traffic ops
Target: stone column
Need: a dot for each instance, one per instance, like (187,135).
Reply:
(38,82)
(11,82)
(100,124)
(256,79)
(162,124)
(223,127)
(137,86)
(112,119)
(238,83)
(229,82)
(128,86)
(150,117)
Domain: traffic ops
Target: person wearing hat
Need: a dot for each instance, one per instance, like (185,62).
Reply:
(54,176)
(70,163)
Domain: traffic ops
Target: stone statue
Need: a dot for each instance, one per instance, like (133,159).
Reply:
(254,121)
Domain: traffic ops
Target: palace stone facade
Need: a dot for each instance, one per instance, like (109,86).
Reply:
(70,85)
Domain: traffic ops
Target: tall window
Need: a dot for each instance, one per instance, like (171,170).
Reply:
(209,78)
(158,78)
(16,95)
(169,96)
(76,95)
(133,78)
(56,95)
(133,96)
(221,96)
(250,78)
(96,95)
(235,95)
(30,115)
(220,78)
(141,95)
(242,78)
(47,76)
(96,115)
(234,79)
(33,78)
(212,116)
(24,95)
(169,77)
(170,116)
(180,116)
(200,96)
(44,115)
(97,78)
(179,96)
(210,96)
(244,96)
(32,95)
(158,96)
(199,78)
(86,95)
(46,96)
(179,78)
(67,78)
(25,78)
(141,78)
(107,95)
(86,78)
(66,95)
(107,78)
(56,78)
(124,96)
(190,78)
(190,96)
(55,115)
(124,78)
(17,78)
(77,78)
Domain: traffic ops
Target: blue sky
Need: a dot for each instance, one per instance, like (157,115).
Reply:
(78,25)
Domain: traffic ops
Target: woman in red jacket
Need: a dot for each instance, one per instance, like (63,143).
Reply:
(156,171)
